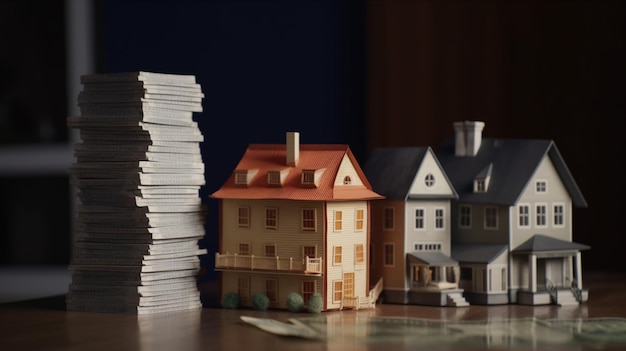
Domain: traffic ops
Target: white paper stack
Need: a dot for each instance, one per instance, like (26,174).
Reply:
(138,172)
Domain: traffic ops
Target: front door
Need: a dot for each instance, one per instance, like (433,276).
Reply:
(348,284)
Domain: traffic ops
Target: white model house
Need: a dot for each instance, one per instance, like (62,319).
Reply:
(512,222)
(296,218)
(411,244)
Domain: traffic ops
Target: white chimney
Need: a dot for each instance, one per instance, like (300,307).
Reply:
(468,136)
(293,148)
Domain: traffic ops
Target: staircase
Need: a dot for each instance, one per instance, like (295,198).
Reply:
(456,299)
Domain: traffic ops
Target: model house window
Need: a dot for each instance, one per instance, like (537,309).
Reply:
(465,216)
(439,218)
(359,255)
(273,177)
(480,186)
(429,180)
(337,255)
(337,291)
(427,247)
(309,251)
(419,218)
(308,177)
(347,180)
(491,217)
(243,217)
(359,219)
(271,218)
(241,177)
(271,289)
(523,216)
(540,215)
(270,250)
(541,186)
(308,289)
(244,248)
(309,219)
(388,218)
(338,221)
(243,288)
(558,215)
(389,259)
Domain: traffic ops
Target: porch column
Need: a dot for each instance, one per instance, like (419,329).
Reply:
(532,272)
(579,271)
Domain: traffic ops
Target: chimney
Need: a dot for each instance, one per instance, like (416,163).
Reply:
(468,136)
(293,148)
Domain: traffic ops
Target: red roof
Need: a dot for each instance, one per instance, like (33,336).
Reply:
(272,157)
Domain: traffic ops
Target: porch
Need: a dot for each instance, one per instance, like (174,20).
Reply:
(307,265)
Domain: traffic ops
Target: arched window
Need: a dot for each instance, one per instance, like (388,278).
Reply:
(347,180)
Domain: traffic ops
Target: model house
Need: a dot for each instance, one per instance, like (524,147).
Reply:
(512,222)
(410,243)
(296,218)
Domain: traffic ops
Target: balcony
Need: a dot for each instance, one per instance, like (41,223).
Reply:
(262,263)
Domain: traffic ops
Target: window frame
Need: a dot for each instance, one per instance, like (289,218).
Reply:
(523,216)
(420,218)
(337,220)
(439,220)
(465,216)
(389,254)
(539,216)
(489,217)
(312,222)
(271,222)
(359,219)
(389,220)
(243,221)
(556,214)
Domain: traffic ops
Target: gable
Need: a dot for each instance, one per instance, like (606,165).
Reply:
(347,169)
(430,180)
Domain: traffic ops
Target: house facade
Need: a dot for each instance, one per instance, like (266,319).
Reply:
(411,241)
(512,222)
(296,218)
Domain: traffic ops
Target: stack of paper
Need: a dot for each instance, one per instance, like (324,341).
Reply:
(138,172)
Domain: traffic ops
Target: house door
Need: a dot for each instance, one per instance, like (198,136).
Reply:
(554,271)
(348,284)
(550,269)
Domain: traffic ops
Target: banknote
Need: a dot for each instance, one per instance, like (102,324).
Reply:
(501,332)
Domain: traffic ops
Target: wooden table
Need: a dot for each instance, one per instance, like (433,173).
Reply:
(43,324)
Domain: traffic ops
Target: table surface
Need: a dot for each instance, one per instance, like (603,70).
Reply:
(43,323)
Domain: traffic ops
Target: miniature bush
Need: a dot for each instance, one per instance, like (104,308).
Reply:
(230,301)
(315,303)
(295,302)
(260,301)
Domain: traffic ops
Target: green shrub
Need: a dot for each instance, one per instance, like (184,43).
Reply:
(295,302)
(260,301)
(316,303)
(230,301)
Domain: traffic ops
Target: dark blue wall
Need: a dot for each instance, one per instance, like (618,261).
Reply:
(266,67)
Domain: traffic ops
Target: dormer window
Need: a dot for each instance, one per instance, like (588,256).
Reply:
(308,177)
(479,186)
(347,180)
(273,178)
(481,182)
(244,176)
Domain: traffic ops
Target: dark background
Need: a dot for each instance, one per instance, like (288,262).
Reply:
(365,73)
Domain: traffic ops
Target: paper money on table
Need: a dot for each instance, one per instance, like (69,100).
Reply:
(525,332)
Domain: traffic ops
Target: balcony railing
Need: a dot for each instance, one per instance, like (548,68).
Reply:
(250,262)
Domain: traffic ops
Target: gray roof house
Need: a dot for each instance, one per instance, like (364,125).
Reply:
(410,240)
(515,194)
